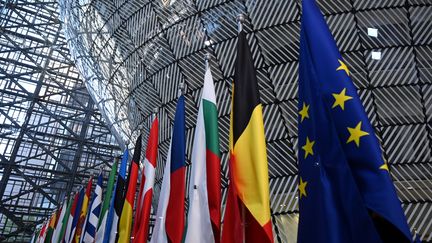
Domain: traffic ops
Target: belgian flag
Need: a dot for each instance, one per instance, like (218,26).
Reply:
(247,207)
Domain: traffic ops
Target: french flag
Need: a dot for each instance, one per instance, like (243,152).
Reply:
(170,216)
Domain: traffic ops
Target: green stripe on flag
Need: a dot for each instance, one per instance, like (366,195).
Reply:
(211,126)
(65,219)
(107,198)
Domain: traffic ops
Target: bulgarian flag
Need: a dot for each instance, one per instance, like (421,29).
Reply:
(247,209)
(125,224)
(106,204)
(169,223)
(142,215)
(203,223)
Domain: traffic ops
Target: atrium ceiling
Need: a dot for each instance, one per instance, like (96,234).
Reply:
(52,137)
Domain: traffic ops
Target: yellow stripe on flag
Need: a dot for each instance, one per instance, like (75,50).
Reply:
(251,168)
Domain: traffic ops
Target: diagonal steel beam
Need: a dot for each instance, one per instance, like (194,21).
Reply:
(79,152)
(8,169)
(36,141)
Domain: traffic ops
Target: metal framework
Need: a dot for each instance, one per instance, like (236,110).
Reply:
(141,50)
(52,137)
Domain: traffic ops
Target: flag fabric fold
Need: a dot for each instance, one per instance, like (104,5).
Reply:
(42,233)
(143,209)
(73,218)
(107,199)
(51,227)
(169,223)
(83,212)
(89,232)
(60,222)
(248,198)
(203,223)
(341,167)
(114,213)
(125,223)
(67,227)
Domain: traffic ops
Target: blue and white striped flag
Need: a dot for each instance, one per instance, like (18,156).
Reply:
(93,216)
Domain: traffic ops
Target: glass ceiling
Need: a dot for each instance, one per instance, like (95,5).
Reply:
(52,136)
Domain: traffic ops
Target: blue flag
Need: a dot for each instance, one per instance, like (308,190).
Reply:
(417,238)
(345,190)
(118,195)
(77,214)
(93,214)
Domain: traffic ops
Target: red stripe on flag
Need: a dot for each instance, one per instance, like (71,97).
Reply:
(142,232)
(140,228)
(138,213)
(233,231)
(130,196)
(151,152)
(214,191)
(175,211)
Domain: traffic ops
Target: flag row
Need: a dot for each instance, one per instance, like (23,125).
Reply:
(345,190)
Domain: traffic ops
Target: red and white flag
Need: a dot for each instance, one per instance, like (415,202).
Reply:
(142,215)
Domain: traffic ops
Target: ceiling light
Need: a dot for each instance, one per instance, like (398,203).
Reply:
(376,55)
(373,32)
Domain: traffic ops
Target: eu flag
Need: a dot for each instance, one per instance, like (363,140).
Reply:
(345,190)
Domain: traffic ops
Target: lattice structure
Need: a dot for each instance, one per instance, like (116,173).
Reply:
(141,50)
(52,137)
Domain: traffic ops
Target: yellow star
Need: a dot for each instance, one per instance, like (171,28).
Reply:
(302,188)
(384,166)
(304,111)
(340,99)
(308,147)
(344,67)
(356,133)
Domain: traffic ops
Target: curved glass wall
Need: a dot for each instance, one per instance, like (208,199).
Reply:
(134,54)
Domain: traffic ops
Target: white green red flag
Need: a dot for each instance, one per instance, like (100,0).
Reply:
(203,223)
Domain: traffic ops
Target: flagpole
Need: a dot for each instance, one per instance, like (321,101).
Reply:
(181,88)
(207,58)
(240,20)
(155,111)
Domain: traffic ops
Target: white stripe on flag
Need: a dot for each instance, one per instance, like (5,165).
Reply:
(56,233)
(93,218)
(159,233)
(199,228)
(101,231)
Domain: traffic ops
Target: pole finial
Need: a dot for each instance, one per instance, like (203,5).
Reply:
(240,20)
(207,56)
(182,88)
(141,128)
